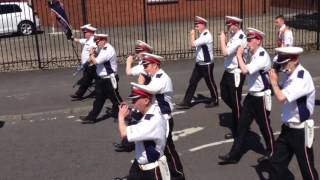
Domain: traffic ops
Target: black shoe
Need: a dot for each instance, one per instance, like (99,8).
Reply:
(183,105)
(123,149)
(129,147)
(212,104)
(228,159)
(228,136)
(87,120)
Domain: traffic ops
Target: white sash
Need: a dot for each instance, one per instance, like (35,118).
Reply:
(308,132)
(164,168)
(267,99)
(237,78)
(113,80)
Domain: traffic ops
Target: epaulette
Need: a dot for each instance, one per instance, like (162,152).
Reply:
(158,75)
(261,53)
(148,116)
(241,36)
(300,74)
(205,33)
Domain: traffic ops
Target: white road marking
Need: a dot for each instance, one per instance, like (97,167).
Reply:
(185,132)
(210,145)
(223,142)
(70,117)
(178,112)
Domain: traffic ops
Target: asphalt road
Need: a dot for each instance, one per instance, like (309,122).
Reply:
(57,146)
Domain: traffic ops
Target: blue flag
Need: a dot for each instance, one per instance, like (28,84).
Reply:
(61,16)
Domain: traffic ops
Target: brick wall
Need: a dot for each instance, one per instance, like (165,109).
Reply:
(103,13)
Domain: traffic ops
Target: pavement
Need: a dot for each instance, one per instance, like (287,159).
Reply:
(33,93)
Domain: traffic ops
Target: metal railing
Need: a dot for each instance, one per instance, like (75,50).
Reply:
(164,25)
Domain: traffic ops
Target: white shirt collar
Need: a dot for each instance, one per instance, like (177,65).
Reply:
(206,30)
(237,34)
(294,73)
(282,27)
(257,51)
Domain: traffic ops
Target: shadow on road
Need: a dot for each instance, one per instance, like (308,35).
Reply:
(251,142)
(265,171)
(317,103)
(2,123)
(91,95)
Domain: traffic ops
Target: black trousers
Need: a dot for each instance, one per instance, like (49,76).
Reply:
(253,108)
(174,163)
(291,142)
(231,95)
(206,72)
(136,173)
(89,74)
(103,91)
